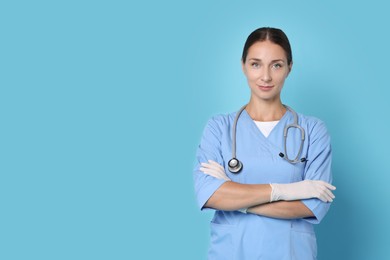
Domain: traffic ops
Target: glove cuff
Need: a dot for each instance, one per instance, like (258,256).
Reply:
(275,194)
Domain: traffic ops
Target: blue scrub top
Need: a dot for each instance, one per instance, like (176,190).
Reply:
(235,235)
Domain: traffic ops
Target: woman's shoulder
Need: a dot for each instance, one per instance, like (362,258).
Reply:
(221,120)
(313,124)
(308,119)
(222,117)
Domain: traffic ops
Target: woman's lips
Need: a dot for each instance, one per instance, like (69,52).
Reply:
(265,88)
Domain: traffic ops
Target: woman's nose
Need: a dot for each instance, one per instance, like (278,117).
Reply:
(266,76)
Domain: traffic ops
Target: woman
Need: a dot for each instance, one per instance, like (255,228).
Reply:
(266,208)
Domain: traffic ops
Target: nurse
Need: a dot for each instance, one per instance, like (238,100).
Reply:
(267,209)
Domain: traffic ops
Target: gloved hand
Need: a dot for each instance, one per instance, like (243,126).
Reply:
(306,189)
(214,169)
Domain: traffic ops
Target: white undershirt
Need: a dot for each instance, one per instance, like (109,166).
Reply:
(266,127)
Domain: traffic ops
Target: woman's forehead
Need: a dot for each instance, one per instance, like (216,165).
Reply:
(266,50)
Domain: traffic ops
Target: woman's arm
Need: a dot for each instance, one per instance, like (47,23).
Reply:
(282,210)
(255,197)
(234,196)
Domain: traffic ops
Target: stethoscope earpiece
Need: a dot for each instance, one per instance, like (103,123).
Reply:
(234,165)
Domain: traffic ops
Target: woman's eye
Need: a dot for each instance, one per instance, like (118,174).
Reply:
(255,65)
(277,65)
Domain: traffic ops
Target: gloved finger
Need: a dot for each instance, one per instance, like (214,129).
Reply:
(209,166)
(326,197)
(216,164)
(323,197)
(211,173)
(327,185)
(207,170)
(326,191)
(330,186)
(212,166)
(215,174)
(215,169)
(330,194)
(206,165)
(329,199)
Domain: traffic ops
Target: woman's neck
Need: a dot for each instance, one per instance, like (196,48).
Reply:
(265,111)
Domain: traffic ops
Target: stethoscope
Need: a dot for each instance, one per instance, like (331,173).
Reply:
(235,165)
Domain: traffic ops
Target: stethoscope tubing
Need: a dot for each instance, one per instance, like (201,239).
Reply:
(235,165)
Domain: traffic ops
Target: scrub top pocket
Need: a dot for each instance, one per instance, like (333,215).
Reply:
(298,173)
(304,245)
(221,244)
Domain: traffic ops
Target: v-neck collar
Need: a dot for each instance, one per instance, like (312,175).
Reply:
(256,131)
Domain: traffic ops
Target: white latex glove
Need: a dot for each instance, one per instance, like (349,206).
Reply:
(214,169)
(306,189)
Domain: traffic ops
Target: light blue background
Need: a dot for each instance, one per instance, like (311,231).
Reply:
(102,106)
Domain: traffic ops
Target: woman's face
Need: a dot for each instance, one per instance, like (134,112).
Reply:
(266,69)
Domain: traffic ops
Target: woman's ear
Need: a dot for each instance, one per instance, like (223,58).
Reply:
(290,68)
(243,67)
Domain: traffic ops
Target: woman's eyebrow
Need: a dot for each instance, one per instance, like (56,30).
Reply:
(277,60)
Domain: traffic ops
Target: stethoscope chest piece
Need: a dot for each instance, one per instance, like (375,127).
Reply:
(234,165)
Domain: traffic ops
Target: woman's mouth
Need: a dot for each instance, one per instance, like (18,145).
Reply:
(265,88)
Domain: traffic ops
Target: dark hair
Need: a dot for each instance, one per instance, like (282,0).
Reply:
(274,35)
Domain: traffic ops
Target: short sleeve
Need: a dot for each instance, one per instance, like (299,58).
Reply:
(208,149)
(318,167)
